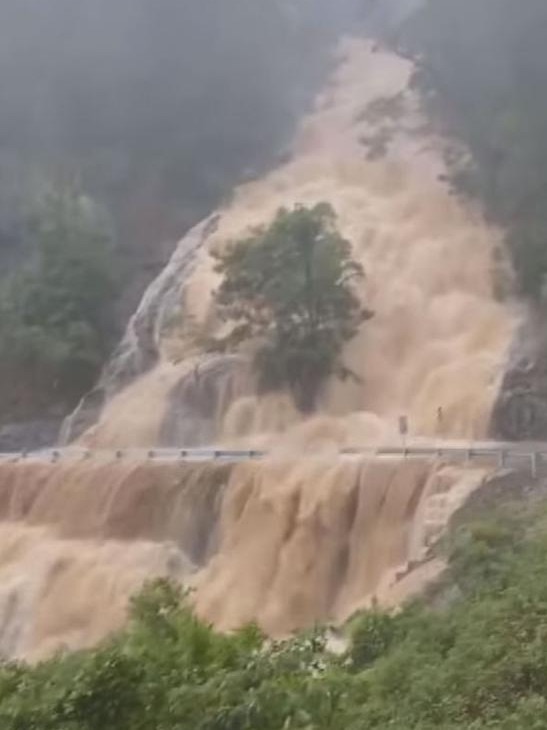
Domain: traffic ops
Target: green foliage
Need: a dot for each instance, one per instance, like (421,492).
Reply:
(290,289)
(56,314)
(478,662)
(486,63)
(372,636)
(169,671)
(479,555)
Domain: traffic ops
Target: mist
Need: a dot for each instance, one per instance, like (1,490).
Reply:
(158,109)
(162,105)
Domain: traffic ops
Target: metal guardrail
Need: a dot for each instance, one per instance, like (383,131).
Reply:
(156,454)
(532,457)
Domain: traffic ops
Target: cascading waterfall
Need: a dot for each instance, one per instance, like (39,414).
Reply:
(286,543)
(295,539)
(440,334)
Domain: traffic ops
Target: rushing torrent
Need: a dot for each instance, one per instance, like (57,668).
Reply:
(295,539)
(284,543)
(439,336)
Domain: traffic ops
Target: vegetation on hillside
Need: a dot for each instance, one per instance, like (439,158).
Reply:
(289,288)
(483,66)
(475,658)
(57,311)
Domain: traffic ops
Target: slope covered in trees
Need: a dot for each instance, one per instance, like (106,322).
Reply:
(57,311)
(484,66)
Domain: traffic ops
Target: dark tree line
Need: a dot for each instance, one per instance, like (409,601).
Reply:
(486,63)
(57,310)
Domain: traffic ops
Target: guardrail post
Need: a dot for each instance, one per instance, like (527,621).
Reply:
(534,460)
(502,459)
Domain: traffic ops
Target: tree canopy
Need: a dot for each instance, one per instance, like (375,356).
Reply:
(290,289)
(56,312)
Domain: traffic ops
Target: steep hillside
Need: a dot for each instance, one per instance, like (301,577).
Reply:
(440,334)
(154,111)
(483,68)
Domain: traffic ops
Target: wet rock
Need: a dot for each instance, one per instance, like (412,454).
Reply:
(29,435)
(138,351)
(163,300)
(200,399)
(520,413)
(84,417)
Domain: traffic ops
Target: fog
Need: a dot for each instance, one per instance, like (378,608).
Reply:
(157,108)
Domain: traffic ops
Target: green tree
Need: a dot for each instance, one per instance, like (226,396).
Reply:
(56,313)
(290,289)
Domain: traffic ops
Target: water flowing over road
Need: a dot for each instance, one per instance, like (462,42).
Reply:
(513,455)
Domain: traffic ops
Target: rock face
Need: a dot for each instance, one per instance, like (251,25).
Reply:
(198,402)
(139,349)
(29,435)
(163,300)
(520,413)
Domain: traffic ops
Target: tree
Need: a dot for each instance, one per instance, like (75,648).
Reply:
(289,289)
(56,314)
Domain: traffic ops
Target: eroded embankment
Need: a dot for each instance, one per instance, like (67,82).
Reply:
(287,544)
